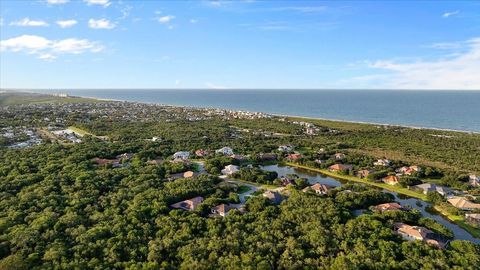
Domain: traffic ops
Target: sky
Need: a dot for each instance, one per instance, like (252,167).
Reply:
(253,44)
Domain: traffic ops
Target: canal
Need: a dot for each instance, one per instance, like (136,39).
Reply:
(414,203)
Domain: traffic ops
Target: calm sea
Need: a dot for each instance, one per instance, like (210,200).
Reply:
(458,110)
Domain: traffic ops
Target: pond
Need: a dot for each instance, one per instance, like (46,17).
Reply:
(314,177)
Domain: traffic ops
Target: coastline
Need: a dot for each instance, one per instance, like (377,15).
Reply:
(292,116)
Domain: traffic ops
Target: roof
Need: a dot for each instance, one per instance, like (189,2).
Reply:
(463,203)
(418,232)
(188,174)
(189,204)
(474,216)
(340,167)
(273,196)
(388,207)
(391,179)
(321,187)
(222,208)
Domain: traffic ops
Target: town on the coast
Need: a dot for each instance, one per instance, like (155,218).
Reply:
(83,171)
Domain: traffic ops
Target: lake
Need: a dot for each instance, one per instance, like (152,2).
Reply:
(314,177)
(457,110)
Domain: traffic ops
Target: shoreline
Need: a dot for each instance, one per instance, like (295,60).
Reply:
(275,114)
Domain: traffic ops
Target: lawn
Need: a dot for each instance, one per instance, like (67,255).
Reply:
(80,132)
(243,189)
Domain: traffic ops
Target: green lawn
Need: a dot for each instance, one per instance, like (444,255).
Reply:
(80,132)
(459,220)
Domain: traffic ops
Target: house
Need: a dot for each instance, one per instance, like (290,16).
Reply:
(273,196)
(391,180)
(340,167)
(182,155)
(412,233)
(226,151)
(201,153)
(103,162)
(473,218)
(222,210)
(188,205)
(409,170)
(318,188)
(385,207)
(188,174)
(474,180)
(382,162)
(292,157)
(230,169)
(463,204)
(339,156)
(124,156)
(238,157)
(267,156)
(364,173)
(156,139)
(428,187)
(285,148)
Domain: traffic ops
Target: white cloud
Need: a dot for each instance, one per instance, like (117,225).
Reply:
(104,3)
(193,21)
(47,49)
(28,22)
(66,23)
(57,2)
(165,19)
(215,86)
(178,82)
(454,71)
(451,13)
(100,24)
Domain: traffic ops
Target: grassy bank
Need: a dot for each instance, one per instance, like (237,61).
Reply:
(459,220)
(396,189)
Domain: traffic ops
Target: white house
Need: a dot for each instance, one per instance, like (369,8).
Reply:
(285,148)
(382,162)
(230,169)
(227,151)
(184,155)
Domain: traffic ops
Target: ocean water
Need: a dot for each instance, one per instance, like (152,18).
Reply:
(457,110)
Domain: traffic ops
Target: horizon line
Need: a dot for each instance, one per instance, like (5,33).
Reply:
(229,89)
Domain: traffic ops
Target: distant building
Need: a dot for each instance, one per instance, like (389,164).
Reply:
(293,157)
(202,153)
(188,205)
(318,188)
(340,167)
(273,196)
(285,148)
(339,156)
(156,139)
(267,156)
(364,173)
(412,233)
(428,187)
(474,180)
(230,169)
(473,218)
(188,174)
(226,151)
(222,210)
(385,207)
(391,180)
(382,162)
(183,155)
(409,170)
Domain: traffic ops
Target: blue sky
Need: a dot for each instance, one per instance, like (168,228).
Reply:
(240,44)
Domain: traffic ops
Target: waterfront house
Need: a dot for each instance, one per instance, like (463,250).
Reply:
(463,204)
(181,155)
(226,151)
(189,205)
(230,169)
(340,167)
(382,162)
(318,188)
(273,196)
(267,156)
(428,187)
(292,157)
(391,180)
(364,173)
(385,207)
(222,210)
(474,180)
(188,174)
(412,233)
(473,218)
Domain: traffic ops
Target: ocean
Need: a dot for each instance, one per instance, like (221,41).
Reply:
(456,110)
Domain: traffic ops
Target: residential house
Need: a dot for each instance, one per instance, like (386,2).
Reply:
(408,170)
(124,156)
(188,205)
(318,188)
(474,180)
(473,218)
(382,162)
(391,180)
(222,210)
(181,155)
(230,169)
(385,207)
(267,156)
(364,173)
(285,148)
(428,187)
(412,233)
(226,151)
(292,157)
(273,196)
(340,167)
(463,204)
(339,156)
(201,153)
(188,174)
